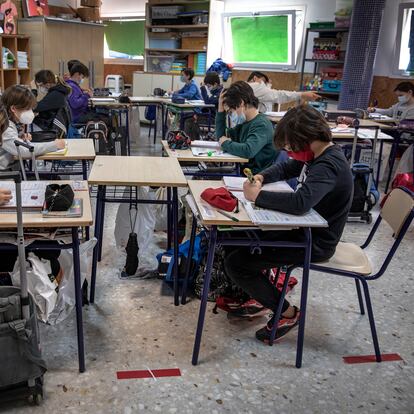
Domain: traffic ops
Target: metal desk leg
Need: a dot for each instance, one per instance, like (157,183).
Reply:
(101,230)
(78,296)
(190,255)
(175,241)
(379,164)
(98,218)
(391,161)
(206,288)
(163,116)
(169,219)
(127,130)
(303,299)
(85,177)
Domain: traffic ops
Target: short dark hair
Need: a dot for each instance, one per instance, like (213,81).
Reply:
(19,96)
(300,127)
(72,62)
(79,68)
(211,78)
(188,72)
(239,92)
(404,87)
(258,75)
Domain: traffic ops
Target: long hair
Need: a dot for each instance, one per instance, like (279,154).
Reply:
(47,76)
(18,96)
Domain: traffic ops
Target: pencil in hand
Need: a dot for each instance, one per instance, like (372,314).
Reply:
(248,173)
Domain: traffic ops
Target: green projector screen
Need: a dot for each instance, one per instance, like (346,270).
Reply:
(126,37)
(260,39)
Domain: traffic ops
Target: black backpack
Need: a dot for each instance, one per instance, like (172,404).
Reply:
(98,131)
(118,138)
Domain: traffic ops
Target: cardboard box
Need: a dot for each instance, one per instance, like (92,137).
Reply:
(194,43)
(89,14)
(91,3)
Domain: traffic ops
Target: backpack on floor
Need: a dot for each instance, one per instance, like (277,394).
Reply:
(178,140)
(192,128)
(118,139)
(98,131)
(361,174)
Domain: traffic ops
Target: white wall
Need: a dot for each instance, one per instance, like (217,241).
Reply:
(123,8)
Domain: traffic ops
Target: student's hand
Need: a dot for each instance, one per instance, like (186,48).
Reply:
(371,109)
(60,143)
(5,196)
(251,191)
(220,101)
(259,178)
(26,137)
(224,139)
(89,92)
(310,96)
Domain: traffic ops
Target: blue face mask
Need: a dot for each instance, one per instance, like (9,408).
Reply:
(183,79)
(237,119)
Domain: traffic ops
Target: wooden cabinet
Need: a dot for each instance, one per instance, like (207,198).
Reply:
(56,41)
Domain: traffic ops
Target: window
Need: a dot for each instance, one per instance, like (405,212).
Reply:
(405,40)
(124,39)
(266,40)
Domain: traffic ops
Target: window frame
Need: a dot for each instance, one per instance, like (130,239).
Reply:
(265,66)
(401,11)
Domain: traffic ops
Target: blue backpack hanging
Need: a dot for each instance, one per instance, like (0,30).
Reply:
(221,68)
(166,259)
(150,112)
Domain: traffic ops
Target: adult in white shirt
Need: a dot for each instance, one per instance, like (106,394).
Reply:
(262,88)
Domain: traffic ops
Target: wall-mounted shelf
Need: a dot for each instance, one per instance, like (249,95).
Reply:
(334,62)
(177,50)
(179,27)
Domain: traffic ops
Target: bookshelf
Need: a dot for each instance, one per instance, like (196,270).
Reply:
(16,72)
(179,41)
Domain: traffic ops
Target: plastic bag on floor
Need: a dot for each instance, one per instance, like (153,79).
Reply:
(39,285)
(66,299)
(144,228)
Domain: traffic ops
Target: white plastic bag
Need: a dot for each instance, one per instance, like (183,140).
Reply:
(144,228)
(39,285)
(406,162)
(66,299)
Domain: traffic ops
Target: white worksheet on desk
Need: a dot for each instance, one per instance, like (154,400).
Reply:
(203,152)
(33,193)
(236,184)
(265,217)
(206,144)
(276,114)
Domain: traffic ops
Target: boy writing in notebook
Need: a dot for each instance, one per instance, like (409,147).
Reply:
(325,184)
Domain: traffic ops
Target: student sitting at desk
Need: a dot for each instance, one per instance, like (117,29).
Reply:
(52,111)
(190,90)
(404,108)
(251,133)
(18,104)
(211,89)
(325,184)
(262,88)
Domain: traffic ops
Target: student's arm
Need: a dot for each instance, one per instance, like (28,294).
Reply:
(78,99)
(49,102)
(282,171)
(209,100)
(266,94)
(410,113)
(320,181)
(190,92)
(40,148)
(385,111)
(255,141)
(221,126)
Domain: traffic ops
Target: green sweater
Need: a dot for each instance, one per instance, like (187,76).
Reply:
(252,140)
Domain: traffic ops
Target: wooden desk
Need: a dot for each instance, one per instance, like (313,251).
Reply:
(78,149)
(187,155)
(134,172)
(35,219)
(253,238)
(108,104)
(149,100)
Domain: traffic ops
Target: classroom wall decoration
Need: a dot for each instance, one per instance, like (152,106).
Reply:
(360,57)
(250,35)
(9,10)
(37,8)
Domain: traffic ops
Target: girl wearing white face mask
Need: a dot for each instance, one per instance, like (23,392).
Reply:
(404,108)
(18,103)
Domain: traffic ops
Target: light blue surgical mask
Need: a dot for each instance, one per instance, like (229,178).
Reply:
(81,81)
(183,79)
(237,119)
(403,99)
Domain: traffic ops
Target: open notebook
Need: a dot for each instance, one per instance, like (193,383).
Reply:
(236,184)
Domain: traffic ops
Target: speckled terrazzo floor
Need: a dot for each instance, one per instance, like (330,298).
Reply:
(132,326)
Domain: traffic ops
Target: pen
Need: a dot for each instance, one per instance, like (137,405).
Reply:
(248,173)
(225,214)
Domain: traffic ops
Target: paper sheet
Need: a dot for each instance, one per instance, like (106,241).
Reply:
(236,184)
(280,113)
(33,193)
(206,144)
(203,152)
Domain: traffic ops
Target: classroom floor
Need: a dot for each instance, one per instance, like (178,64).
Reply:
(133,325)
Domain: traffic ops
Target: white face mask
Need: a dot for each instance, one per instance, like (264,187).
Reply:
(81,81)
(403,99)
(43,90)
(26,117)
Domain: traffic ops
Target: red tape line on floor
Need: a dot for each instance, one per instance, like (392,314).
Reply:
(146,373)
(361,359)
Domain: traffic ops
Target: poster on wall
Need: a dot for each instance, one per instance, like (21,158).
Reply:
(34,8)
(9,11)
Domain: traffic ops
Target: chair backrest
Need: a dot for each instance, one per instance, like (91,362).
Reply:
(397,209)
